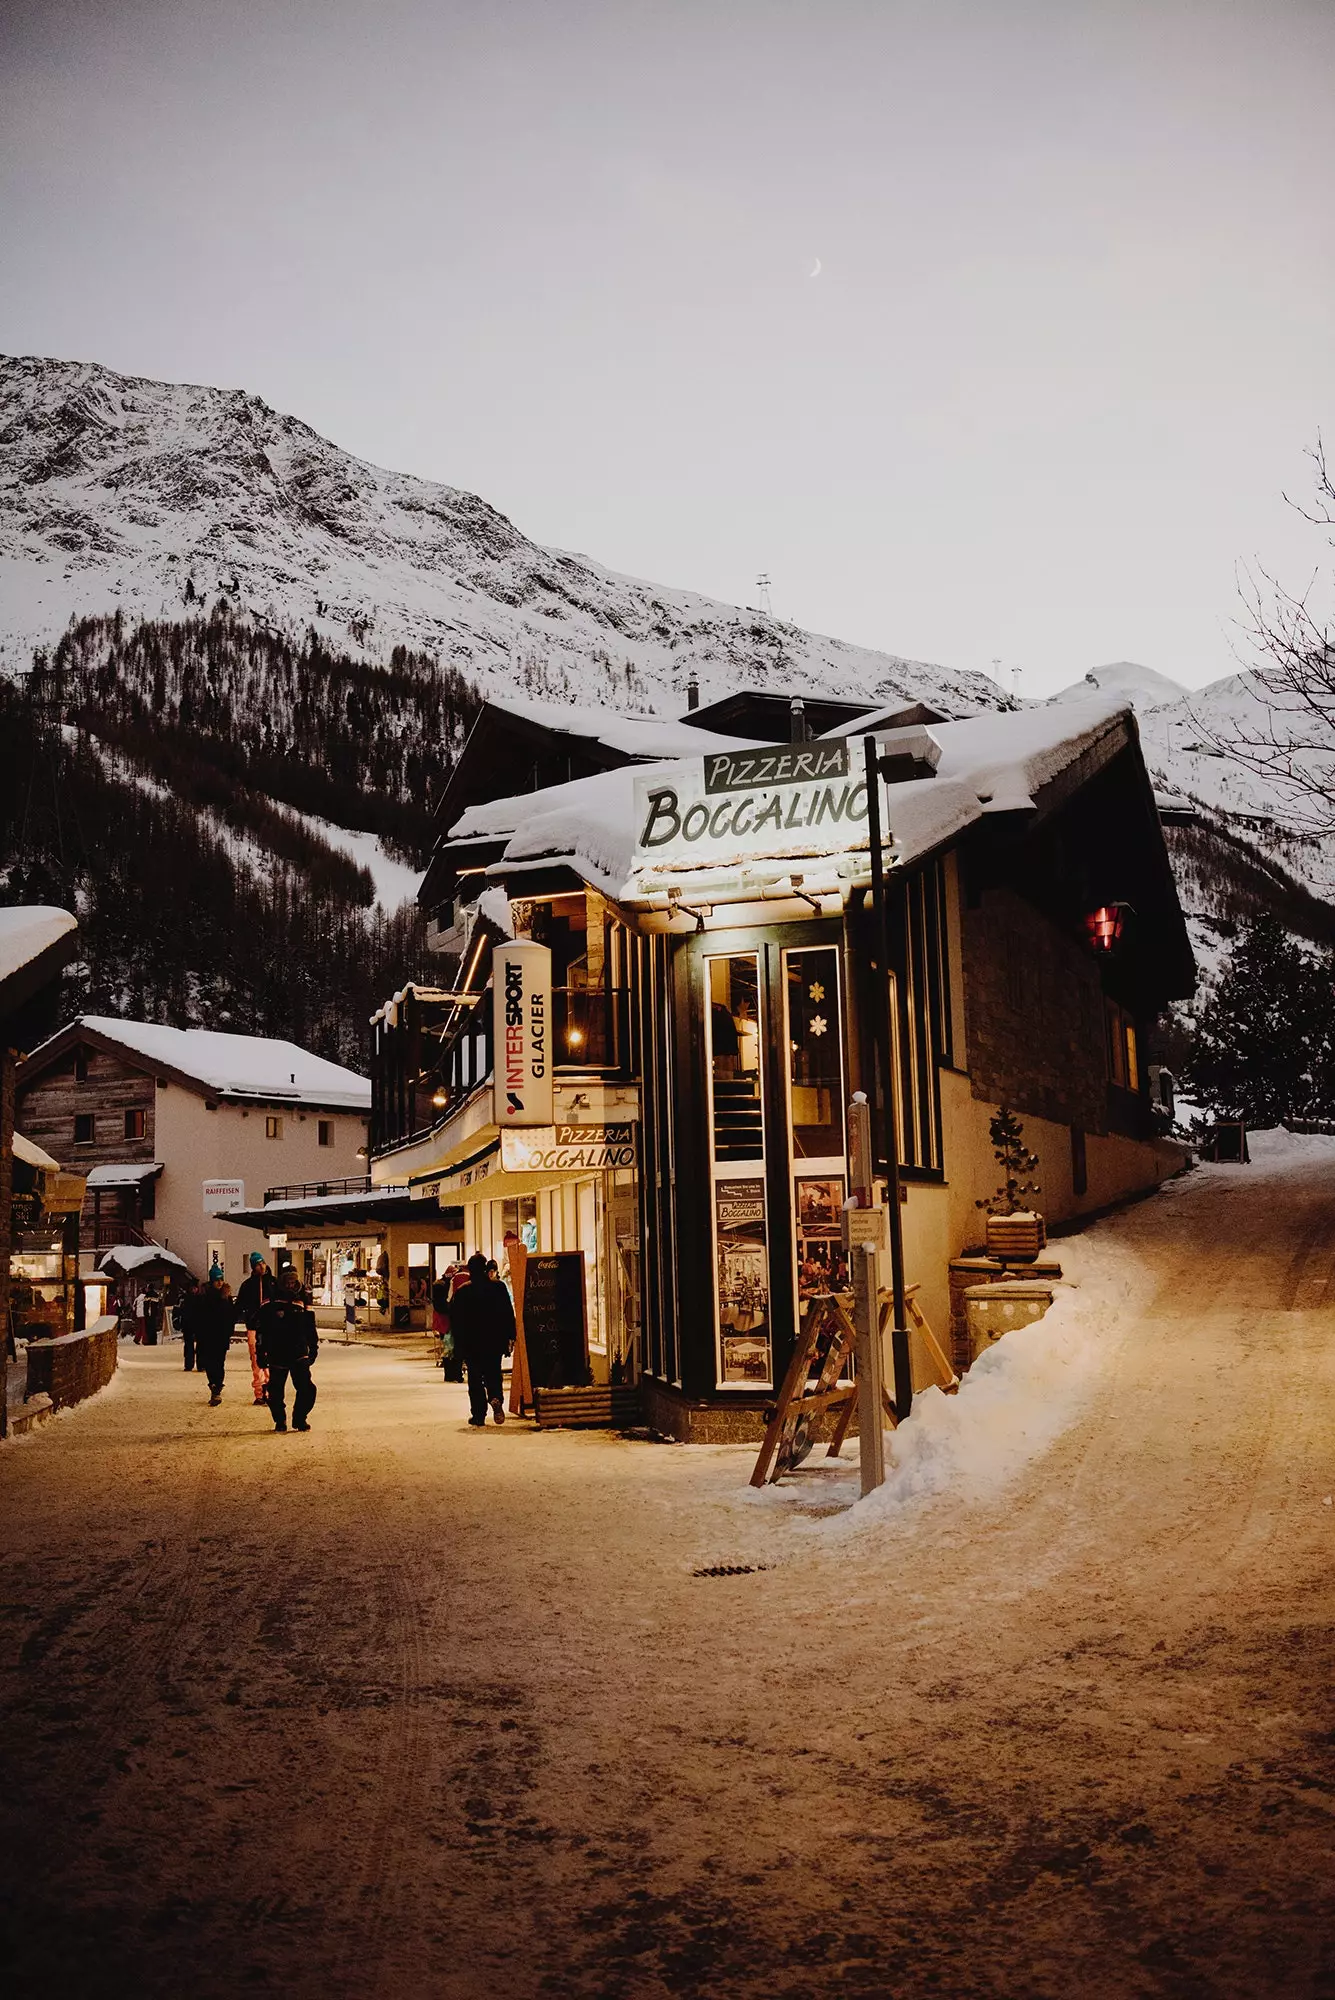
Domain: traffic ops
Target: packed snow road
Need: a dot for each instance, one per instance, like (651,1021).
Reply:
(402,1709)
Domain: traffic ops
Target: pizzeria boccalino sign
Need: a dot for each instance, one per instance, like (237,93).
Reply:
(732,803)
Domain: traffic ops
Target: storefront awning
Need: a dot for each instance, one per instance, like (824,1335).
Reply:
(129,1173)
(32,1155)
(334,1214)
(522,1162)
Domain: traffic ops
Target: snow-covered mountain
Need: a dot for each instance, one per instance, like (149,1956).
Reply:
(1143,687)
(154,495)
(1231,833)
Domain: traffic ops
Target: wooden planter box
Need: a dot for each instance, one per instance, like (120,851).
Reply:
(597,1407)
(1017,1238)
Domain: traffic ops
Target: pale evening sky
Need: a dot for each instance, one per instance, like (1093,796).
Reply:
(1071,334)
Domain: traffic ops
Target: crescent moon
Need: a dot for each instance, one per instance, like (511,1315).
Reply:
(815,271)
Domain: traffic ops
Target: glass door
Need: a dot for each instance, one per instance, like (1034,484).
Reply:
(813,1028)
(735,1040)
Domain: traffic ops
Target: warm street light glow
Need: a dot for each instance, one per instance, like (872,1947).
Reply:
(1104,926)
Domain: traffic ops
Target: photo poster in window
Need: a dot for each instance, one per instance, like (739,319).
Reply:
(743,1281)
(822,1261)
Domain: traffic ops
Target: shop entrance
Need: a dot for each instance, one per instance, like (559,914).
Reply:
(776,1081)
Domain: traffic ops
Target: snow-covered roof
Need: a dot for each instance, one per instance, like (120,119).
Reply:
(235,1066)
(993,762)
(129,1173)
(133,1257)
(29,929)
(32,1155)
(637,736)
(389,1012)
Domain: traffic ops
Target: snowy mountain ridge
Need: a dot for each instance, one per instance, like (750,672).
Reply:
(116,490)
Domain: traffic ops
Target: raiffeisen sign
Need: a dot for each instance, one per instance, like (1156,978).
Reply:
(797,798)
(521,989)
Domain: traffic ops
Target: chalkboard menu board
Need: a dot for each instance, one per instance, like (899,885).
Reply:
(555,1334)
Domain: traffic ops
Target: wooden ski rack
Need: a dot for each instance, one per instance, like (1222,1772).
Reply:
(787,1440)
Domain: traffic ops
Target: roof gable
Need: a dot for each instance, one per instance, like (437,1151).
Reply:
(233,1068)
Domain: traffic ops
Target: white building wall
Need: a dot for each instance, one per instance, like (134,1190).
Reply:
(196,1144)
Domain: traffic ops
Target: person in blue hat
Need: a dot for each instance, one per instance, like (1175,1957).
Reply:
(255,1293)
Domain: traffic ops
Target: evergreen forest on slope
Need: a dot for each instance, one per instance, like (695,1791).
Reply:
(153,778)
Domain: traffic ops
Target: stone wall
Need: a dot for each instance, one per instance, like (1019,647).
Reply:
(74,1366)
(1034,1011)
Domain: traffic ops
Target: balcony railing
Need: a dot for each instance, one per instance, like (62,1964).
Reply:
(315,1190)
(107,1232)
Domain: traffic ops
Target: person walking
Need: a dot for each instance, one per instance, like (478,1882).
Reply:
(287,1343)
(255,1293)
(215,1316)
(152,1303)
(483,1323)
(441,1298)
(186,1314)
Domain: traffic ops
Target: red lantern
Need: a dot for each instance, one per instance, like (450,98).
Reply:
(1104,926)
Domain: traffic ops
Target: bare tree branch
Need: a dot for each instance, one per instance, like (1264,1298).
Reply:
(1284,730)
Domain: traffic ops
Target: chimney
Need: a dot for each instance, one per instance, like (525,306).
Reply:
(797,720)
(692,693)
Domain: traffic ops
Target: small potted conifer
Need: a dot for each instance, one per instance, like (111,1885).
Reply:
(1015,1232)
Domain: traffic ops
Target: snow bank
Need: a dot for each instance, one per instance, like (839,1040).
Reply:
(1282,1151)
(1015,1403)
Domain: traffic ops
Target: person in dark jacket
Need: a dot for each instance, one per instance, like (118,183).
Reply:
(483,1323)
(153,1313)
(286,1343)
(187,1323)
(214,1318)
(255,1293)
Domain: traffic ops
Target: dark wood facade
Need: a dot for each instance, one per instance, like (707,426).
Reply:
(89,1083)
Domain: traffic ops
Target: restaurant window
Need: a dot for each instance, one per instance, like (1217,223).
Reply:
(737,1156)
(325,1132)
(814,1027)
(579,934)
(815,1053)
(136,1124)
(1122,1047)
(84,1128)
(273,1128)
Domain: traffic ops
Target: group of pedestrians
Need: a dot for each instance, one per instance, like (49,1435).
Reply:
(474,1317)
(281,1335)
(477,1320)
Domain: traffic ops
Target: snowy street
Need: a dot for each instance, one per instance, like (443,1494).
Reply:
(402,1709)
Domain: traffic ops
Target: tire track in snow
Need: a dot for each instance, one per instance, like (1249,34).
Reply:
(381,1876)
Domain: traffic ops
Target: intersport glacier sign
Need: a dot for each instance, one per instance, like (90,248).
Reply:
(735,804)
(521,987)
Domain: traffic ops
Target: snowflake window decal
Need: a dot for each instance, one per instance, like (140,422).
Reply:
(818,1024)
(817,991)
